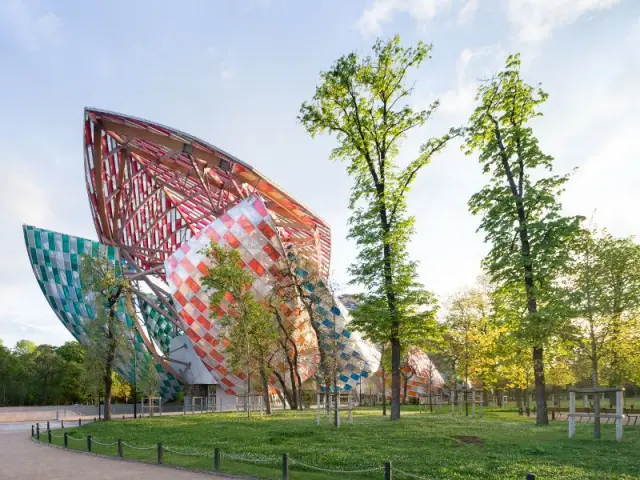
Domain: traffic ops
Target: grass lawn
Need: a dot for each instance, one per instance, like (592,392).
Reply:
(502,445)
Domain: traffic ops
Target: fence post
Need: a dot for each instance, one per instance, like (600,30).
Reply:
(285,467)
(120,449)
(49,436)
(62,424)
(619,414)
(79,422)
(38,431)
(33,431)
(572,414)
(66,440)
(160,453)
(48,427)
(216,460)
(88,443)
(387,471)
(530,476)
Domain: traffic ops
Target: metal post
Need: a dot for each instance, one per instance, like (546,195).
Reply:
(530,476)
(350,410)
(38,431)
(473,404)
(120,449)
(33,431)
(619,411)
(135,386)
(337,409)
(572,414)
(160,453)
(453,402)
(49,436)
(79,422)
(387,471)
(88,443)
(62,424)
(285,467)
(48,426)
(216,460)
(66,440)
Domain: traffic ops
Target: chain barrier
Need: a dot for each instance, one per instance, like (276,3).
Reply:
(93,440)
(56,436)
(364,470)
(186,454)
(407,474)
(246,459)
(250,460)
(139,448)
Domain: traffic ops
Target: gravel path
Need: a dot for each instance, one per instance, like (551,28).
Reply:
(22,459)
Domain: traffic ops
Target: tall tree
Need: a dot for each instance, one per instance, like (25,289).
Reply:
(360,100)
(605,294)
(47,365)
(108,334)
(470,337)
(247,322)
(521,213)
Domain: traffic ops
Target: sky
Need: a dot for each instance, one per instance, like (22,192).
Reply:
(235,73)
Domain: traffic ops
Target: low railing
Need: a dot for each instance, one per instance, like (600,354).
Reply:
(214,459)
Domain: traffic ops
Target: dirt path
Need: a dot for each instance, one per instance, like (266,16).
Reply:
(22,459)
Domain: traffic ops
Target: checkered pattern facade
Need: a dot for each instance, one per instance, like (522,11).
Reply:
(160,328)
(357,359)
(249,228)
(55,259)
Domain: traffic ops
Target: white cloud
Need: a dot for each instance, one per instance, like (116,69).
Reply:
(535,20)
(382,11)
(32,29)
(607,184)
(468,11)
(472,65)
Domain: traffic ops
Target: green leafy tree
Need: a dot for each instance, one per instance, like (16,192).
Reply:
(247,323)
(46,366)
(605,294)
(521,213)
(363,102)
(108,335)
(148,381)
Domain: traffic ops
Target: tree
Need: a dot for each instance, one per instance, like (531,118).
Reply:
(148,380)
(360,101)
(108,335)
(247,323)
(605,294)
(520,215)
(47,365)
(470,337)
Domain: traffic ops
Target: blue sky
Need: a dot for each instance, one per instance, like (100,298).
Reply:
(235,73)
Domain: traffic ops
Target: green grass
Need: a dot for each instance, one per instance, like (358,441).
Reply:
(421,444)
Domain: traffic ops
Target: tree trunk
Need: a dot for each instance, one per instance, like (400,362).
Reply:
(404,393)
(395,378)
(541,400)
(596,396)
(265,390)
(384,392)
(107,393)
(286,393)
(519,397)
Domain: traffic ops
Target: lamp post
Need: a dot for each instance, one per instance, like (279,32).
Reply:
(135,385)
